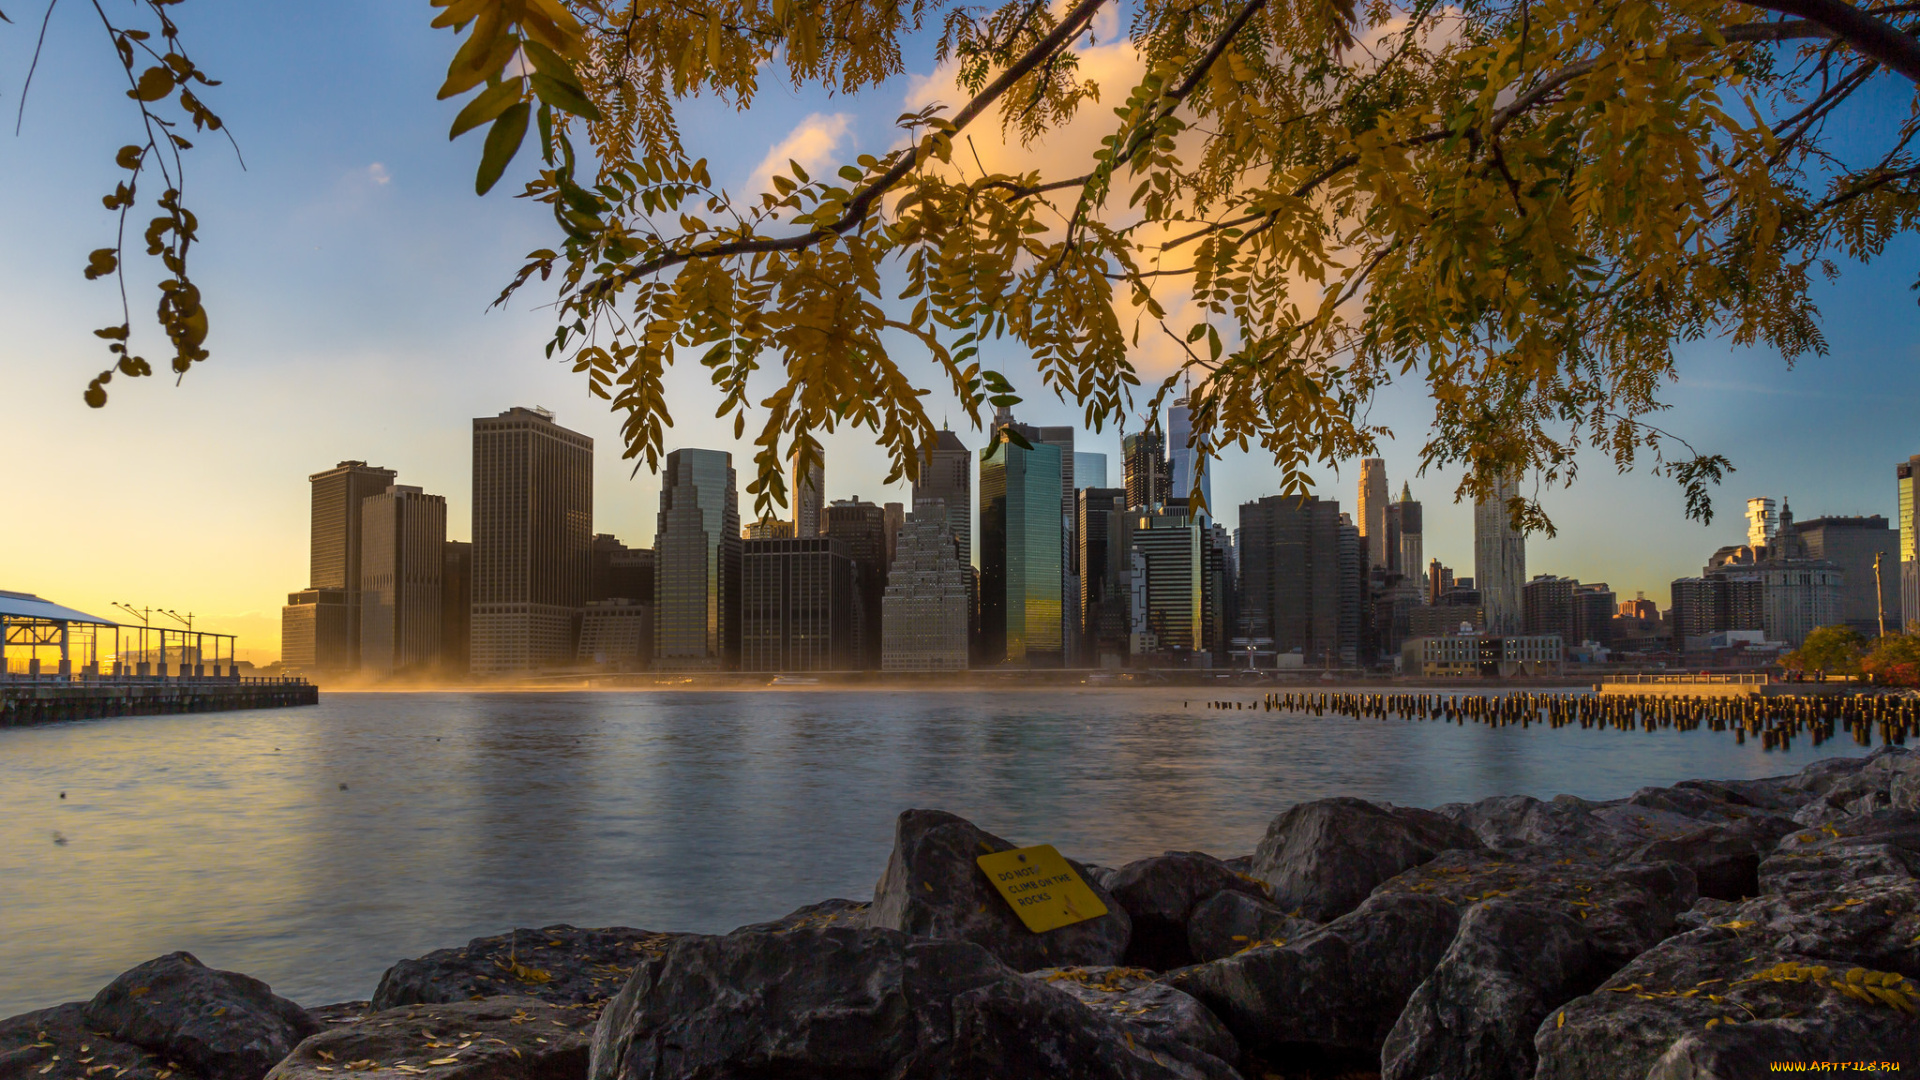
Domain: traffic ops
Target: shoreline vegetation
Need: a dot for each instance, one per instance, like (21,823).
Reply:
(1705,929)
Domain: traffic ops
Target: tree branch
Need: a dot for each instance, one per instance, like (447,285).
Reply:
(1862,29)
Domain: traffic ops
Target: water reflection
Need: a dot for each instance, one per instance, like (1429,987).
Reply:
(230,834)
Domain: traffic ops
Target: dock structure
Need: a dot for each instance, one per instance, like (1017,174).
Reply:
(1700,685)
(91,676)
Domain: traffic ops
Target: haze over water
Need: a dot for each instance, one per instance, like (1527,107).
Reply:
(229,835)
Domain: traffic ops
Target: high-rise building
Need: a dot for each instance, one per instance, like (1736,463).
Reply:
(1499,558)
(456,608)
(1184,461)
(797,610)
(1762,522)
(1731,599)
(1547,602)
(403,536)
(1291,576)
(1353,590)
(1593,613)
(1408,549)
(1101,529)
(532,540)
(809,496)
(924,610)
(1145,455)
(1021,614)
(334,554)
(1439,580)
(946,474)
(697,546)
(616,634)
(861,529)
(1168,583)
(1373,511)
(894,516)
(620,572)
(1089,470)
(1219,589)
(1851,543)
(768,528)
(1909,538)
(317,632)
(1800,593)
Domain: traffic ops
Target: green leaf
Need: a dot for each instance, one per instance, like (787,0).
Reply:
(492,101)
(564,97)
(503,141)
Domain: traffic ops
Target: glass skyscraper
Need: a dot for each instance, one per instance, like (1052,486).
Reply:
(1021,544)
(697,549)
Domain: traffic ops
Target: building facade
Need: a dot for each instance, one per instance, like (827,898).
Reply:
(532,540)
(1102,531)
(456,608)
(1867,552)
(318,632)
(1500,558)
(338,497)
(616,634)
(1292,577)
(809,495)
(1167,576)
(1186,461)
(1409,540)
(1547,601)
(1021,544)
(697,548)
(861,529)
(403,540)
(1373,511)
(924,610)
(797,606)
(1144,455)
(946,474)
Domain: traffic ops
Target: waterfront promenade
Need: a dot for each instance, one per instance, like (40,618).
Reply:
(45,699)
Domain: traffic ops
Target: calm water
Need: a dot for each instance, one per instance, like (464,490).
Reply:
(230,835)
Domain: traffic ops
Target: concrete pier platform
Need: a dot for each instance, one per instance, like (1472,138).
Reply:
(24,701)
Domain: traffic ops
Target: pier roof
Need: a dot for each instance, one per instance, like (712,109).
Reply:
(20,605)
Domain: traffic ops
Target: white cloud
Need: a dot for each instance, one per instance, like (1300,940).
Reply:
(813,144)
(377,173)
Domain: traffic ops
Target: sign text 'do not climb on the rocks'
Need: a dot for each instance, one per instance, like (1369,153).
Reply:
(1041,887)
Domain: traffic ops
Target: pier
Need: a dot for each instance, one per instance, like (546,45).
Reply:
(46,700)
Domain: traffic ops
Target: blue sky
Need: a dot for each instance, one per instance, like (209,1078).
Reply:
(348,271)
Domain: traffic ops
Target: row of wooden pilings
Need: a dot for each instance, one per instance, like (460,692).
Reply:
(23,704)
(1773,720)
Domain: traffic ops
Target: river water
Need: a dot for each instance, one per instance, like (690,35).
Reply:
(313,847)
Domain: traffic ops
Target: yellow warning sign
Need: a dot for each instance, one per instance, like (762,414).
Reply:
(1041,887)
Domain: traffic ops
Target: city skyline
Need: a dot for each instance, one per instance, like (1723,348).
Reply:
(348,270)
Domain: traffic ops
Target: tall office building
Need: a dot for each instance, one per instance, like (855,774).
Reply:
(946,474)
(1144,454)
(1353,590)
(1060,438)
(797,609)
(1499,559)
(532,540)
(1410,556)
(1851,543)
(1020,554)
(861,529)
(334,554)
(809,495)
(697,548)
(1762,522)
(456,608)
(1102,529)
(1184,461)
(895,516)
(317,631)
(924,610)
(1547,601)
(1292,577)
(618,572)
(403,536)
(1909,539)
(1593,613)
(1089,470)
(768,528)
(1373,511)
(1167,579)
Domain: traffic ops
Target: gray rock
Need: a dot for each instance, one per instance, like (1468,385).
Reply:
(55,1044)
(1838,852)
(1228,922)
(1160,894)
(1705,912)
(1608,830)
(932,888)
(1887,779)
(1323,857)
(496,1038)
(1339,988)
(221,1024)
(1712,1002)
(1159,1016)
(824,913)
(1873,922)
(1474,1016)
(1725,802)
(1725,863)
(832,1002)
(560,964)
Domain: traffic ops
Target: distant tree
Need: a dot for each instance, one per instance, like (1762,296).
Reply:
(1829,650)
(1894,660)
(1524,204)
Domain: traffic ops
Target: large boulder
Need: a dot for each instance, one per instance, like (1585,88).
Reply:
(1323,857)
(933,888)
(1886,779)
(1157,1015)
(1590,830)
(1725,861)
(495,1038)
(824,913)
(55,1044)
(1872,922)
(1838,852)
(1340,988)
(221,1024)
(1725,802)
(1160,894)
(1714,1003)
(560,964)
(1228,922)
(826,1003)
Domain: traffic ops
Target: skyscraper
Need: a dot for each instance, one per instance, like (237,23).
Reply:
(1762,522)
(809,496)
(532,538)
(456,608)
(1292,569)
(1410,556)
(797,606)
(924,610)
(334,555)
(1373,511)
(1909,539)
(1184,461)
(861,529)
(1145,456)
(697,550)
(1020,554)
(1499,559)
(946,474)
(403,537)
(1089,470)
(1102,531)
(1168,583)
(1851,544)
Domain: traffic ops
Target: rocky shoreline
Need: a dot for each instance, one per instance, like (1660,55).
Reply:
(1707,929)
